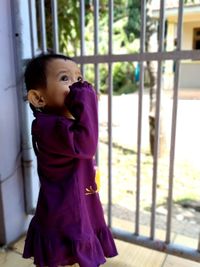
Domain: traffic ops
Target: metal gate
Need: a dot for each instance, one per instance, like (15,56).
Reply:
(110,58)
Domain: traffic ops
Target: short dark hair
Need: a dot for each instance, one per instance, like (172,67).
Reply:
(35,72)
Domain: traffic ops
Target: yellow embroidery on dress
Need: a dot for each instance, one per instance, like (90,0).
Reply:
(90,191)
(97,179)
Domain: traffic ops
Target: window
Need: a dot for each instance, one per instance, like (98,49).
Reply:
(196,38)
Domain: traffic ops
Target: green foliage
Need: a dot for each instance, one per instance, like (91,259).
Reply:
(120,9)
(89,73)
(123,78)
(103,69)
(123,40)
(189,1)
(133,26)
(69,25)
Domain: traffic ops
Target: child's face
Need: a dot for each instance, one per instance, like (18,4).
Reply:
(60,75)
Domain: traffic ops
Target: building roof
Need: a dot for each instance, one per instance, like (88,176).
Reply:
(173,4)
(191,10)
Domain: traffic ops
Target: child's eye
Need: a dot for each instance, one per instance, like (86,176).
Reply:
(80,79)
(64,78)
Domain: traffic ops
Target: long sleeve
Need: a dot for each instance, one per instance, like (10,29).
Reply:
(66,137)
(82,135)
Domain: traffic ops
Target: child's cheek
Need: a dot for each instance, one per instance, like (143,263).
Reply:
(66,92)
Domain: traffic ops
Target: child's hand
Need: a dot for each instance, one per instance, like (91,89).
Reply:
(80,84)
(82,95)
(77,85)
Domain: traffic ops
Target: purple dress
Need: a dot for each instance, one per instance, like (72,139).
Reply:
(68,226)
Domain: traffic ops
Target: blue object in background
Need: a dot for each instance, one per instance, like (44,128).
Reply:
(137,73)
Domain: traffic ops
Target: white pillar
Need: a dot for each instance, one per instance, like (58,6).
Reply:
(13,220)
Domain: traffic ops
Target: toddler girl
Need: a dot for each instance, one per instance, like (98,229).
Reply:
(68,226)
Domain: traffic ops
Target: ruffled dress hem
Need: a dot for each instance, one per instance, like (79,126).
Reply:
(49,250)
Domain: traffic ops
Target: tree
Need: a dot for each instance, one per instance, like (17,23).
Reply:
(69,25)
(133,29)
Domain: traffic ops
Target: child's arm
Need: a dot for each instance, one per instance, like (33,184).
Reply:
(80,135)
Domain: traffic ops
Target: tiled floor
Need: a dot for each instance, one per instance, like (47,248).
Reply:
(129,255)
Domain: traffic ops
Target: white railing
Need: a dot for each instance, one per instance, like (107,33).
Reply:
(143,56)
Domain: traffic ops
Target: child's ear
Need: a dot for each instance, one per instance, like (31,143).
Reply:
(36,99)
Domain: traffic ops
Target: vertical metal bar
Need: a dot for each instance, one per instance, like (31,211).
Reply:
(157,121)
(54,10)
(42,26)
(140,104)
(31,28)
(198,246)
(96,51)
(110,88)
(26,144)
(173,125)
(96,41)
(82,27)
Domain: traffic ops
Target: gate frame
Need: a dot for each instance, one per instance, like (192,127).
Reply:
(141,57)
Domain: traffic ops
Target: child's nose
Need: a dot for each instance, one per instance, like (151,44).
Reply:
(74,80)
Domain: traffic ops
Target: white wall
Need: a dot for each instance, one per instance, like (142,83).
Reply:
(189,73)
(189,70)
(187,42)
(12,215)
